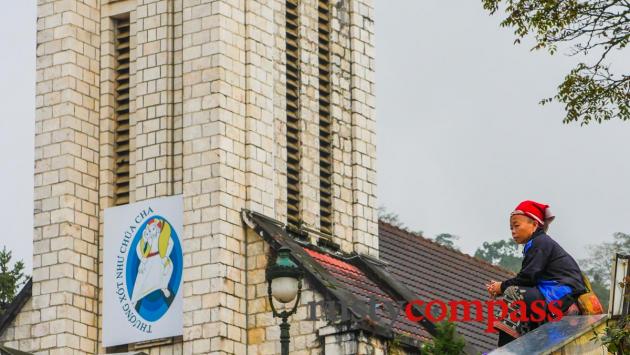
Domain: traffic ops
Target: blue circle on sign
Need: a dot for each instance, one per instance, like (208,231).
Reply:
(154,268)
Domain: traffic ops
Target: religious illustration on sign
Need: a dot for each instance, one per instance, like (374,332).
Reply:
(150,267)
(143,271)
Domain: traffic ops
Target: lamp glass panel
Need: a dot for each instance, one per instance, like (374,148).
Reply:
(284,289)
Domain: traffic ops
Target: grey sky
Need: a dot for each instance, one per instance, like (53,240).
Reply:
(461,138)
(17,126)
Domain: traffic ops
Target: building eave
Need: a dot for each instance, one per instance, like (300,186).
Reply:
(14,307)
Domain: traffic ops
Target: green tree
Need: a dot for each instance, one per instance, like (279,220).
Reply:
(389,217)
(392,218)
(446,342)
(594,29)
(447,240)
(598,264)
(616,336)
(504,253)
(11,278)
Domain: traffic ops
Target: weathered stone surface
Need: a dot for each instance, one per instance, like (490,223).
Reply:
(207,120)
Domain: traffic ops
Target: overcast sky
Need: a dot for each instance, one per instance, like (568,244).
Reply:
(17,127)
(461,137)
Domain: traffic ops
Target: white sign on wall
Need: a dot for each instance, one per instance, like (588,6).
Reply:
(143,265)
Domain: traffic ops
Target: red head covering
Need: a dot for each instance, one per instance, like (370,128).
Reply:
(537,211)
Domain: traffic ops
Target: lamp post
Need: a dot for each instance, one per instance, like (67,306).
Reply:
(284,279)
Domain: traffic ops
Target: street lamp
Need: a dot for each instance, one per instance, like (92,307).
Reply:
(284,280)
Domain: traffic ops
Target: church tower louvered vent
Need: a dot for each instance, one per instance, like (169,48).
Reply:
(121,135)
(325,145)
(293,120)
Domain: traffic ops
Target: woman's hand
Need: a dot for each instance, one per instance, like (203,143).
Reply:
(494,288)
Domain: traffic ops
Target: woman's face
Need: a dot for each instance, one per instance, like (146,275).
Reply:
(522,228)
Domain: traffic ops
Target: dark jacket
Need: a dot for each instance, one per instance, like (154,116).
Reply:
(545,260)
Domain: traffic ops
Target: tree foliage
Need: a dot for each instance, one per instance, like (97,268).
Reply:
(392,218)
(598,264)
(504,253)
(593,28)
(446,342)
(444,239)
(447,240)
(11,278)
(616,336)
(389,217)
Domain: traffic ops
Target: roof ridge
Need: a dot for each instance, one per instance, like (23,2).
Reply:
(416,235)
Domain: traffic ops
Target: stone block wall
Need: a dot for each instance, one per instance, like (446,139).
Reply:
(20,333)
(208,121)
(364,211)
(63,308)
(354,186)
(355,220)
(65,282)
(214,163)
(339,341)
(155,110)
(158,95)
(309,112)
(263,334)
(354,146)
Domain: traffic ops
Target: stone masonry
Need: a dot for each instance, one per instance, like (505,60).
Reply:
(155,97)
(207,120)
(63,308)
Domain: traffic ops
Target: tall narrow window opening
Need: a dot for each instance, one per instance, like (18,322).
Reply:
(121,133)
(325,151)
(293,121)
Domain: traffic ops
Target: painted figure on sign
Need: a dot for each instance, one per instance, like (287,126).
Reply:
(156,267)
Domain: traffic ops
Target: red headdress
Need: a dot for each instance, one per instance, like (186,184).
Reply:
(534,210)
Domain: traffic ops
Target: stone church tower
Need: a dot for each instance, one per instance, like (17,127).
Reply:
(260,105)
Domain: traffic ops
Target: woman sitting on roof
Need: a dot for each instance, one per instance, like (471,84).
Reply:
(548,272)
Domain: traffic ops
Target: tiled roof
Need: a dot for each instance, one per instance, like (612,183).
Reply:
(435,272)
(367,290)
(423,271)
(351,280)
(431,271)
